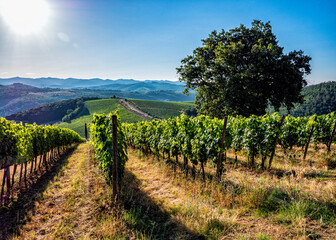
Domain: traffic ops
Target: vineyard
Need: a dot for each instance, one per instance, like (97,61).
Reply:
(203,139)
(21,144)
(172,199)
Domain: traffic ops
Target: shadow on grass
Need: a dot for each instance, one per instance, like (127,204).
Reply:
(13,216)
(273,200)
(146,217)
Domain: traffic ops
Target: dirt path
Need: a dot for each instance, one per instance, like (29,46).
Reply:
(134,110)
(75,205)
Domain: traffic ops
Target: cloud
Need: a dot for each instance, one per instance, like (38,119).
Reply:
(63,37)
(30,73)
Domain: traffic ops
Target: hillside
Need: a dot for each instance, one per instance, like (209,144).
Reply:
(160,109)
(99,106)
(319,99)
(19,97)
(51,112)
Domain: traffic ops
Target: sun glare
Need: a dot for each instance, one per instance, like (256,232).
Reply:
(25,16)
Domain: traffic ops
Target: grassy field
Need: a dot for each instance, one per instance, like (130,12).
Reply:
(161,109)
(157,202)
(102,106)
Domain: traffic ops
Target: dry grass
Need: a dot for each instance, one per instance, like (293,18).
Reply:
(197,206)
(250,202)
(158,203)
(75,205)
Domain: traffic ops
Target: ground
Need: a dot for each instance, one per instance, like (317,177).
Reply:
(74,202)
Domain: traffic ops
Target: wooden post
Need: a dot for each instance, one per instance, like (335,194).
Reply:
(331,137)
(86,132)
(275,143)
(186,167)
(8,185)
(32,166)
(25,173)
(115,157)
(21,173)
(3,183)
(309,137)
(203,173)
(220,154)
(14,171)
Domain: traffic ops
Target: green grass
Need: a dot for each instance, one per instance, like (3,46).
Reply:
(162,109)
(102,106)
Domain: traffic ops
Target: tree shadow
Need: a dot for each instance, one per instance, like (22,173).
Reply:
(13,216)
(146,217)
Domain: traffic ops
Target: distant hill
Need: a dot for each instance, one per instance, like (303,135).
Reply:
(319,99)
(97,83)
(144,86)
(99,106)
(19,97)
(52,112)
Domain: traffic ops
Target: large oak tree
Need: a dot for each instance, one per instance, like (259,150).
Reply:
(242,70)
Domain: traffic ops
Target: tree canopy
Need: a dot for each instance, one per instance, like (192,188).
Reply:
(242,70)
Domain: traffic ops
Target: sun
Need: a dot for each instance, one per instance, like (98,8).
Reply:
(25,16)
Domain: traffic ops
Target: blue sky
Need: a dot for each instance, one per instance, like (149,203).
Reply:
(147,39)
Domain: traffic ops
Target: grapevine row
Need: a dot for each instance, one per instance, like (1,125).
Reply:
(198,139)
(101,137)
(21,144)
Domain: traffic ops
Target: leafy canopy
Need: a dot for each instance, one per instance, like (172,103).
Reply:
(242,70)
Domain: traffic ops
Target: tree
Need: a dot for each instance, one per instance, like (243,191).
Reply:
(243,70)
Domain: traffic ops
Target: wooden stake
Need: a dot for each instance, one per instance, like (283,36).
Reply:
(331,137)
(86,132)
(21,172)
(14,171)
(220,155)
(310,135)
(25,173)
(203,173)
(3,183)
(275,143)
(8,185)
(186,167)
(115,157)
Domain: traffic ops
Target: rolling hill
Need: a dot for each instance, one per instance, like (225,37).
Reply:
(99,106)
(19,97)
(160,109)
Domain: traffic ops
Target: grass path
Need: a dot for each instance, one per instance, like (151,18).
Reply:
(75,205)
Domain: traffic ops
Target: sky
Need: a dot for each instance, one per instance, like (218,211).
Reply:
(146,40)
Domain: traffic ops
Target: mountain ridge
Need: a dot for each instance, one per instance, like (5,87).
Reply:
(74,83)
